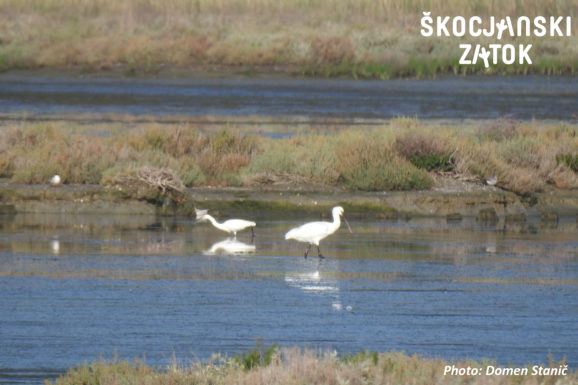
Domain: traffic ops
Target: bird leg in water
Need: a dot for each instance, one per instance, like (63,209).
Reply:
(252,235)
(319,253)
(307,250)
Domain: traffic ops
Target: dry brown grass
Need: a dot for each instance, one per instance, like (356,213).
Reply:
(524,157)
(354,38)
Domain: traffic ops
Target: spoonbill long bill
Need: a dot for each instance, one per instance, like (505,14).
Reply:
(314,232)
(231,226)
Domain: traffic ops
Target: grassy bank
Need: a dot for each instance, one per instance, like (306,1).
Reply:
(361,38)
(402,154)
(296,366)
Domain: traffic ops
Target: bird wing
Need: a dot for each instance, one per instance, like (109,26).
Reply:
(310,232)
(238,224)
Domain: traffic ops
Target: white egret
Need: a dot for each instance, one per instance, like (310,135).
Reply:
(230,226)
(55,180)
(314,232)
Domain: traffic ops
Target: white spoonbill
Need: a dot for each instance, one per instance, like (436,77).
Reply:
(314,232)
(230,226)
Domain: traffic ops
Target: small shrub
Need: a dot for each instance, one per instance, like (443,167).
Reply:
(361,357)
(256,357)
(499,130)
(371,167)
(224,153)
(332,50)
(521,152)
(424,153)
(310,158)
(432,161)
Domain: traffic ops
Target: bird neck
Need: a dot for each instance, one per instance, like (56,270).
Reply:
(214,222)
(336,221)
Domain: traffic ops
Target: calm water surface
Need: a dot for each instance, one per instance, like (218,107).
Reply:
(484,97)
(76,288)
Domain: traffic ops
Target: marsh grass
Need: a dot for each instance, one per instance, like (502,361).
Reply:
(371,166)
(300,366)
(361,39)
(402,154)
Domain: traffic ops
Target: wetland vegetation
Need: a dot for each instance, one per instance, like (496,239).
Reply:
(399,155)
(298,366)
(360,39)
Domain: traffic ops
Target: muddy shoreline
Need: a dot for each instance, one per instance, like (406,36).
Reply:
(482,202)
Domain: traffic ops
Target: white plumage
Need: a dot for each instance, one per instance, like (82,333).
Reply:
(231,226)
(55,180)
(314,232)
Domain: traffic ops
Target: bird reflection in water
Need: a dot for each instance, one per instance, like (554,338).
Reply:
(316,283)
(230,246)
(55,246)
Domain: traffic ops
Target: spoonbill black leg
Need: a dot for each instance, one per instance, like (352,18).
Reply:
(307,250)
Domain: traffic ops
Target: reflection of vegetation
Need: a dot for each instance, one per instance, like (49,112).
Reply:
(296,366)
(401,155)
(362,39)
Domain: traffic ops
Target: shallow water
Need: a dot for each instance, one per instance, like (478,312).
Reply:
(447,98)
(76,288)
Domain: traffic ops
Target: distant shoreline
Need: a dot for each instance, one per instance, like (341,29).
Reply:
(361,40)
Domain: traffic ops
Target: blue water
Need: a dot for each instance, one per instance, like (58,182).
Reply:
(73,289)
(523,98)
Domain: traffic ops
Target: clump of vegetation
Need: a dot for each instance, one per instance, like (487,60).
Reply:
(303,158)
(257,357)
(568,160)
(499,130)
(424,152)
(298,366)
(369,166)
